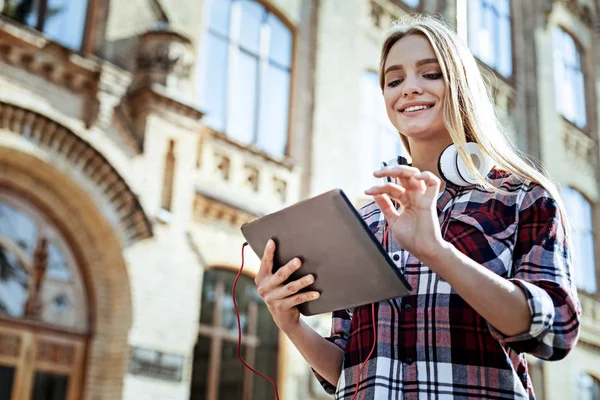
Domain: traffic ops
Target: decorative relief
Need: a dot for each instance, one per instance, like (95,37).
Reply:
(581,146)
(252,174)
(382,15)
(56,353)
(222,165)
(31,51)
(210,209)
(80,155)
(280,187)
(581,10)
(10,345)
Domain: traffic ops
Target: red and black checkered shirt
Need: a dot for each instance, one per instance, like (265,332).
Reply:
(431,344)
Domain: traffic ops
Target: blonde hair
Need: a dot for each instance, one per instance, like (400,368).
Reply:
(468,111)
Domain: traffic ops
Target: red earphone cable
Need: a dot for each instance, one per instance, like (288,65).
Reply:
(237,314)
(385,235)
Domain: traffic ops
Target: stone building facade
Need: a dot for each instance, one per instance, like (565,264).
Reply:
(136,137)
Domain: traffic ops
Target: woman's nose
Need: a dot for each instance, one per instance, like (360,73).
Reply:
(411,87)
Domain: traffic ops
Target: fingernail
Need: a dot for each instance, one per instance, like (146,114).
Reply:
(316,295)
(270,244)
(296,262)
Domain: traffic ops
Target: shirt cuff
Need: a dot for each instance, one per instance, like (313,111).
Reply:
(541,308)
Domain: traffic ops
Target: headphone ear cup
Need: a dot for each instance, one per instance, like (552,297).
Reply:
(448,167)
(453,170)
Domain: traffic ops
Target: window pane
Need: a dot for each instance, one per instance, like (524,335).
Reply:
(245,292)
(215,83)
(412,3)
(274,108)
(504,37)
(280,50)
(219,14)
(241,105)
(58,268)
(50,386)
(7,375)
(200,369)
(253,15)
(580,215)
(268,333)
(266,363)
(209,295)
(569,84)
(23,11)
(14,281)
(18,227)
(231,377)
(65,21)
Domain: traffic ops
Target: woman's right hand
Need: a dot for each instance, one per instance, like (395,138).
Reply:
(281,300)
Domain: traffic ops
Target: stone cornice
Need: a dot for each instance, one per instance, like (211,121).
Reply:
(28,49)
(155,96)
(80,155)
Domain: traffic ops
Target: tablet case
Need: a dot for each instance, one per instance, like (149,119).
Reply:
(336,246)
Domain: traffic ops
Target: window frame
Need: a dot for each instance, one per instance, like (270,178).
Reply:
(464,33)
(201,79)
(582,55)
(90,24)
(569,191)
(217,335)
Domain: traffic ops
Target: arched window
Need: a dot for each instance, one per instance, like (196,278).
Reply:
(486,26)
(580,215)
(217,373)
(39,278)
(60,20)
(586,387)
(245,79)
(569,87)
(43,307)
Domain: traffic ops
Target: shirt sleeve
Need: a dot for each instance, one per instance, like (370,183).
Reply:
(542,268)
(340,328)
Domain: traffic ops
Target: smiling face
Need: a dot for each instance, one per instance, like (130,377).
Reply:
(414,89)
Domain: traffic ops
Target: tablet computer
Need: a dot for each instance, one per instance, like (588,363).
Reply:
(350,266)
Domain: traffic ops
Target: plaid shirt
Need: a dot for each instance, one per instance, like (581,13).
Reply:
(431,344)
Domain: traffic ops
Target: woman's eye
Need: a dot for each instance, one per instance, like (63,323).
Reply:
(436,75)
(395,83)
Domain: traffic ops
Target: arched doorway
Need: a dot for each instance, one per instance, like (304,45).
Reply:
(44,317)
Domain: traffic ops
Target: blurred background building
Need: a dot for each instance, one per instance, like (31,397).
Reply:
(137,136)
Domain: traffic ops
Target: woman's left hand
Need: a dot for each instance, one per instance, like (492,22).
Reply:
(415,227)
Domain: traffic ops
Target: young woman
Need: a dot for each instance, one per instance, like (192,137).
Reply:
(489,263)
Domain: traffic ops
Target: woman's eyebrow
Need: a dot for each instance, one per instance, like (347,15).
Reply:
(397,67)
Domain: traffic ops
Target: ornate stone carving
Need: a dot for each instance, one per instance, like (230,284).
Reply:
(65,144)
(166,58)
(10,345)
(34,305)
(582,148)
(56,353)
(31,51)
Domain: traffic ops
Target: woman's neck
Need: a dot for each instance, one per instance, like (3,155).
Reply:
(425,154)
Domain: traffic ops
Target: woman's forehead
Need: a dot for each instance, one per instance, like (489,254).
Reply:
(409,50)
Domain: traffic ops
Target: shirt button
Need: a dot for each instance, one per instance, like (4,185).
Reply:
(396,257)
(407,307)
(409,360)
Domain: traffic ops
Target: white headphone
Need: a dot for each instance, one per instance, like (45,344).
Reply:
(451,167)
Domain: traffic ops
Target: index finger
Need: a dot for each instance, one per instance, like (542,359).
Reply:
(266,262)
(397,171)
